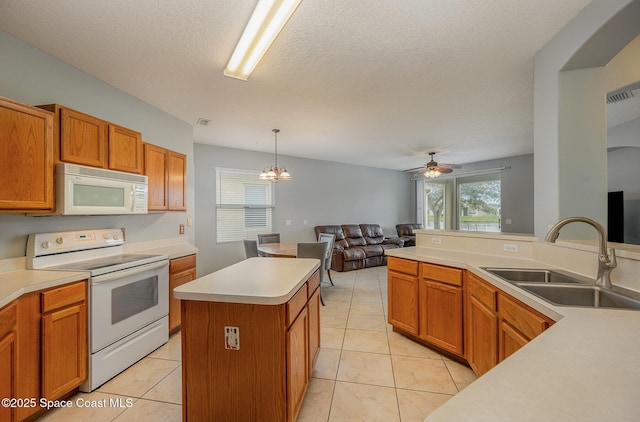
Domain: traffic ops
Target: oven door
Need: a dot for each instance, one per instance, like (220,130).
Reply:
(125,301)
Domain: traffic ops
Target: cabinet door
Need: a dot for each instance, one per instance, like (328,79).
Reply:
(176,280)
(441,315)
(177,179)
(26,158)
(8,370)
(403,302)
(297,365)
(125,149)
(483,337)
(510,340)
(155,168)
(83,139)
(64,350)
(314,329)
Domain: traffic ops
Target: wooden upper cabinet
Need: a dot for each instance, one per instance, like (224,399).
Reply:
(26,158)
(167,174)
(83,139)
(177,179)
(125,149)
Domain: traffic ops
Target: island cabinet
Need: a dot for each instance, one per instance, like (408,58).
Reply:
(167,174)
(482,324)
(89,141)
(252,360)
(440,304)
(26,158)
(403,289)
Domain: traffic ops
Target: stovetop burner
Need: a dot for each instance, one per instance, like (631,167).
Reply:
(104,263)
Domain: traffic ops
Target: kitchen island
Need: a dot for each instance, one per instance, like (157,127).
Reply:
(583,368)
(250,337)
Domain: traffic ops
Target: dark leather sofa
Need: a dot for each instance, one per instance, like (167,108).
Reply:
(358,245)
(405,232)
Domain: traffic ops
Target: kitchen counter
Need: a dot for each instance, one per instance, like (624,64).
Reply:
(583,368)
(14,284)
(260,281)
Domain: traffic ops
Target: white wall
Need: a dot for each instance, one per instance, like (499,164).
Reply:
(568,112)
(32,77)
(320,192)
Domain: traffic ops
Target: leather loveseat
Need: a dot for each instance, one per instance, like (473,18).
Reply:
(405,232)
(358,245)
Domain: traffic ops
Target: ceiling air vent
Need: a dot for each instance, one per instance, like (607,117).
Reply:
(619,97)
(205,122)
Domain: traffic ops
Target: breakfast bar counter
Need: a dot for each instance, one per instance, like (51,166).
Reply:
(250,337)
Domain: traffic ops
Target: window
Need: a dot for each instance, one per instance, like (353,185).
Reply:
(469,203)
(244,205)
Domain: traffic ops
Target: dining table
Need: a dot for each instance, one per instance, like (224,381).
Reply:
(278,250)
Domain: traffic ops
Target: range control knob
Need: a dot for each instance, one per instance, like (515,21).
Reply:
(115,237)
(45,244)
(60,240)
(105,235)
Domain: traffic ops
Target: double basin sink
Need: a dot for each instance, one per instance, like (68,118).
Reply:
(563,289)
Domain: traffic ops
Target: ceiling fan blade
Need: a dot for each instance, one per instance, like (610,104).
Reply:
(453,166)
(444,170)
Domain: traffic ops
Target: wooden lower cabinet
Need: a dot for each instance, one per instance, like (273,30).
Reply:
(8,359)
(181,270)
(267,377)
(482,325)
(441,307)
(403,294)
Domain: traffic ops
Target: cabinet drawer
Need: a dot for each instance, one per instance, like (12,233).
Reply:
(63,296)
(402,265)
(482,292)
(296,304)
(529,323)
(313,283)
(180,264)
(447,275)
(8,318)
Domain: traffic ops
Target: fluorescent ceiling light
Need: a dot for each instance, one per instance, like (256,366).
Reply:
(267,20)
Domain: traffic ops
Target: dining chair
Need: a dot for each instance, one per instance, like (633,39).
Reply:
(268,238)
(329,238)
(316,250)
(250,248)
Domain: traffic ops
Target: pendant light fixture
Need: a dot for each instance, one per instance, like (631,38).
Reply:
(274,173)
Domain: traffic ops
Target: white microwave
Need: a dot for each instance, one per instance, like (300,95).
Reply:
(84,190)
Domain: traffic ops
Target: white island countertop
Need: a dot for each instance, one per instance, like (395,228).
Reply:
(583,368)
(260,281)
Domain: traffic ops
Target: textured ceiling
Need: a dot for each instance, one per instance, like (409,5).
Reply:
(370,82)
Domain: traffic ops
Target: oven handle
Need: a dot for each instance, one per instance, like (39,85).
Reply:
(130,272)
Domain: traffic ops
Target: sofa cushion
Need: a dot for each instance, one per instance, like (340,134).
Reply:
(352,254)
(372,233)
(339,241)
(373,250)
(353,235)
(407,229)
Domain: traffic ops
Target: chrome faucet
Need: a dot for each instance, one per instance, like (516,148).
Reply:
(606,261)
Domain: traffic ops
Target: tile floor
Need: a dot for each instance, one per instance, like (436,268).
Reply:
(365,371)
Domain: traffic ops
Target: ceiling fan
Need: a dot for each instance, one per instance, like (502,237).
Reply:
(433,169)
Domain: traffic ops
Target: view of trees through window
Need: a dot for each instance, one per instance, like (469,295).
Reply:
(473,203)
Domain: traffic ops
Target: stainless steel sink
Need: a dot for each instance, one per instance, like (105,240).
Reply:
(584,295)
(515,275)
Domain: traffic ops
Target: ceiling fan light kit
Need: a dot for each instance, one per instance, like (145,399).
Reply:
(266,22)
(432,169)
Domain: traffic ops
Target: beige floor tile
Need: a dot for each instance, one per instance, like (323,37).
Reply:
(366,322)
(317,401)
(462,385)
(366,403)
(366,368)
(331,338)
(422,374)
(333,319)
(460,373)
(335,305)
(148,410)
(139,378)
(367,308)
(367,297)
(402,346)
(171,350)
(369,287)
(337,293)
(366,341)
(169,389)
(417,405)
(327,364)
(78,412)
